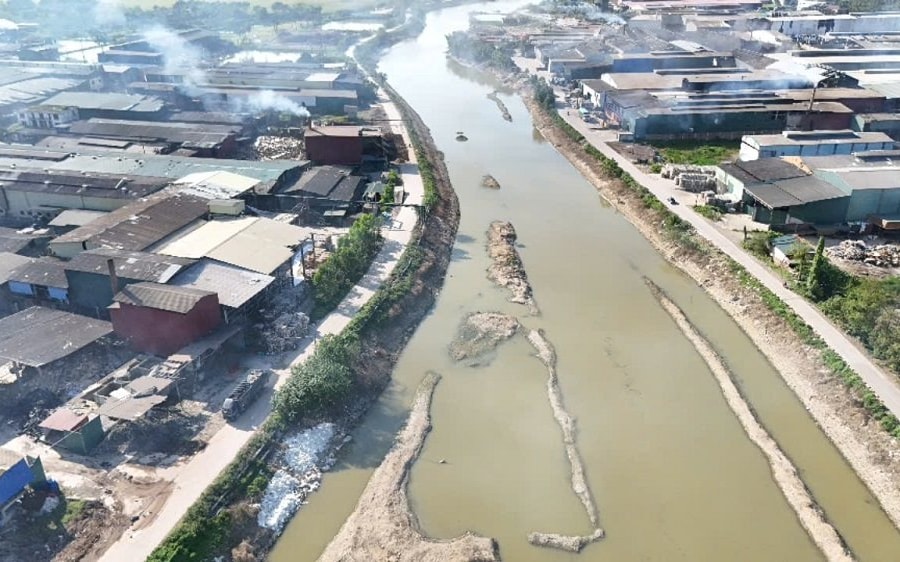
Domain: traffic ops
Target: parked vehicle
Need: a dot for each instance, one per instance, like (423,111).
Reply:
(245,393)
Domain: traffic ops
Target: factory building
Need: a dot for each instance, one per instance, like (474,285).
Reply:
(340,145)
(161,319)
(110,105)
(812,143)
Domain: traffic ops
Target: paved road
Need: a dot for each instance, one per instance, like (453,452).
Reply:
(884,384)
(192,478)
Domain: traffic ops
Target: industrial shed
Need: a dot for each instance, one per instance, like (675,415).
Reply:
(110,105)
(256,244)
(161,319)
(38,336)
(41,279)
(26,194)
(239,290)
(805,199)
(339,144)
(95,276)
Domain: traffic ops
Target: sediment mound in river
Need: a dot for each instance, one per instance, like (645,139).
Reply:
(507,269)
(783,470)
(382,527)
(490,182)
(504,111)
(547,354)
(565,542)
(482,332)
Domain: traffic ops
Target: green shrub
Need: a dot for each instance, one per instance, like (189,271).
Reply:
(708,211)
(334,278)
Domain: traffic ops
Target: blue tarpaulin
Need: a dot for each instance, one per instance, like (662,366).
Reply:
(14,480)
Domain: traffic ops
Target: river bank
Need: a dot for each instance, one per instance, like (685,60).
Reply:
(872,453)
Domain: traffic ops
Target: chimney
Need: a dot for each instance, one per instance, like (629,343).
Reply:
(113,278)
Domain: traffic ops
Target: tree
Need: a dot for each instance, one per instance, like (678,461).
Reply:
(816,282)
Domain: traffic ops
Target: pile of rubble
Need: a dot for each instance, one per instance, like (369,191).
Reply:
(882,255)
(278,148)
(691,178)
(282,333)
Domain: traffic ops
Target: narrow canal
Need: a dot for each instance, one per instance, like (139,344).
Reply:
(673,474)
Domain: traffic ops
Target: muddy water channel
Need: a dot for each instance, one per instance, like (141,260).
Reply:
(672,472)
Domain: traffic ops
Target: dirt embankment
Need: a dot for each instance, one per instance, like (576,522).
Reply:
(382,527)
(783,470)
(480,333)
(506,268)
(874,454)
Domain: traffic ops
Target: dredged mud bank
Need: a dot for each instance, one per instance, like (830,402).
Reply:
(480,333)
(873,454)
(547,354)
(783,470)
(506,267)
(383,527)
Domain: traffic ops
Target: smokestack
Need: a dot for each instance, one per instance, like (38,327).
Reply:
(113,277)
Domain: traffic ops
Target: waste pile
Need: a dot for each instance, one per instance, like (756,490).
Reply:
(691,178)
(881,255)
(283,332)
(278,148)
(303,460)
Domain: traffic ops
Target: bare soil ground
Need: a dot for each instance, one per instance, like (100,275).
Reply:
(872,452)
(382,527)
(480,333)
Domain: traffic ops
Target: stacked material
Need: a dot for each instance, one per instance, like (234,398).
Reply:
(696,182)
(284,333)
(672,171)
(882,255)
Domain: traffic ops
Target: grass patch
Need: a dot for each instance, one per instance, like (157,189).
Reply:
(706,154)
(710,212)
(74,510)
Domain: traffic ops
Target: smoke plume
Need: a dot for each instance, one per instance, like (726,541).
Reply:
(267,100)
(179,56)
(109,12)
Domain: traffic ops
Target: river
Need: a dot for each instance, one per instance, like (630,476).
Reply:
(673,474)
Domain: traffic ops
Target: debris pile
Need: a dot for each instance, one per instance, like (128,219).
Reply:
(278,148)
(304,460)
(282,333)
(882,255)
(490,182)
(691,178)
(480,333)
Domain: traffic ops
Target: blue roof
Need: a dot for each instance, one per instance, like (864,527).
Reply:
(14,480)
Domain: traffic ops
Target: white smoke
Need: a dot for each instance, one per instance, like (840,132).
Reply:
(179,56)
(109,12)
(267,100)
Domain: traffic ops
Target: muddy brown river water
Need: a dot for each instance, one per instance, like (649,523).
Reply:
(672,472)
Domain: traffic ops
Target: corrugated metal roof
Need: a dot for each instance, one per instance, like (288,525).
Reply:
(9,262)
(793,192)
(139,266)
(216,184)
(141,224)
(106,101)
(162,297)
(63,419)
(234,285)
(76,217)
(257,244)
(46,272)
(37,336)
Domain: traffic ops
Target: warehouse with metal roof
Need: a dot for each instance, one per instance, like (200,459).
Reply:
(37,336)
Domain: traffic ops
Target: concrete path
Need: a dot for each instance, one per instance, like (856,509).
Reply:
(192,478)
(883,384)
